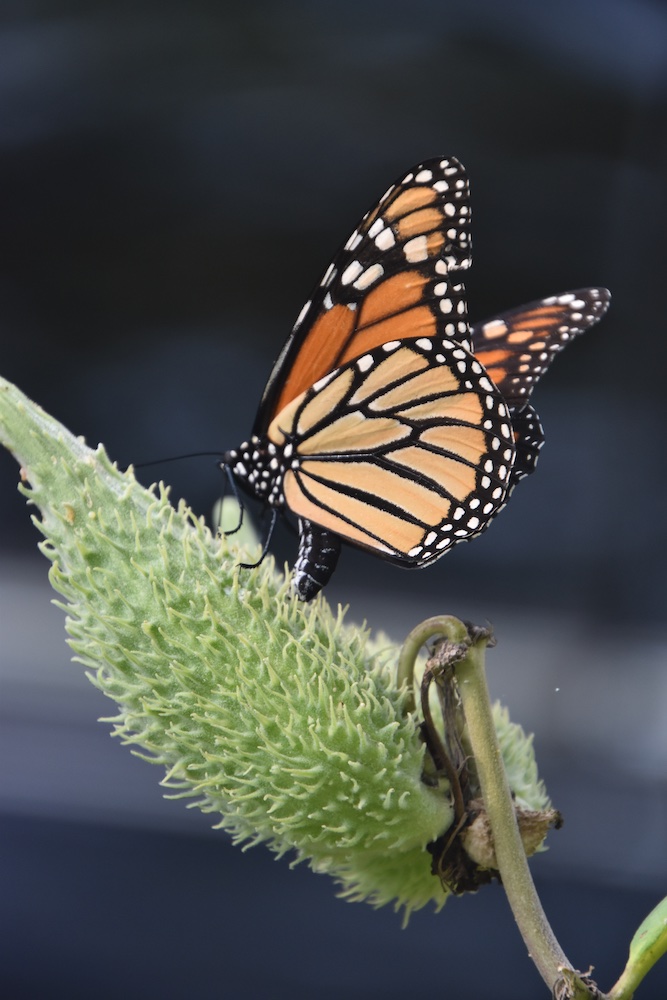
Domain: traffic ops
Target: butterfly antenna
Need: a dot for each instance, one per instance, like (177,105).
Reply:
(176,458)
(267,543)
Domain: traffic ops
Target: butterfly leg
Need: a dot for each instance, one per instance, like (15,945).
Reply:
(318,554)
(267,542)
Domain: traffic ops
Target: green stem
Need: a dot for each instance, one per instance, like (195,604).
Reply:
(446,625)
(531,919)
(544,949)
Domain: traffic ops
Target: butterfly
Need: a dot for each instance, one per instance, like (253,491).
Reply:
(388,422)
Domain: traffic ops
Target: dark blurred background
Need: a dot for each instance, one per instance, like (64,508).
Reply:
(175,177)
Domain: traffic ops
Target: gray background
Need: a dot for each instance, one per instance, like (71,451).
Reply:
(175,177)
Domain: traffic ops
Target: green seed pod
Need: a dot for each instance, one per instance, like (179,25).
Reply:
(278,717)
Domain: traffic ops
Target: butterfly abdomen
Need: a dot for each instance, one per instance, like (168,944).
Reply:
(319,550)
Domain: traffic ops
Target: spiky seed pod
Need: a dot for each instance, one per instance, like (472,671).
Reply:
(276,716)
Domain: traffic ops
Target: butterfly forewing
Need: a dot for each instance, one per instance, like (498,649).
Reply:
(405,451)
(394,279)
(517,347)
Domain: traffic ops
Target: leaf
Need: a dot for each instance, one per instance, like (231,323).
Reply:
(647,946)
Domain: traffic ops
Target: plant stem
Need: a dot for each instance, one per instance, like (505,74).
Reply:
(446,625)
(469,645)
(531,919)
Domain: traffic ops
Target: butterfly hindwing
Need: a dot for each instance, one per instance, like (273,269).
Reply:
(395,278)
(528,440)
(404,451)
(517,347)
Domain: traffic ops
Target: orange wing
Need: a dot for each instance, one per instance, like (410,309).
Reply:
(391,281)
(405,451)
(517,347)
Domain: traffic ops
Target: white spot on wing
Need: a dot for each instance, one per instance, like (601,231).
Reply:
(320,384)
(351,272)
(385,240)
(416,249)
(303,312)
(494,328)
(370,275)
(328,275)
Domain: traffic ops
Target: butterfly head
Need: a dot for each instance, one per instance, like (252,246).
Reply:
(258,467)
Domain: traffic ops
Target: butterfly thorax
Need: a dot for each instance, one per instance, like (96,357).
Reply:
(259,467)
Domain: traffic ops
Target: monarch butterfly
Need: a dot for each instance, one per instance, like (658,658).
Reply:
(387,422)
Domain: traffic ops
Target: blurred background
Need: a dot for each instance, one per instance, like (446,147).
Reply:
(175,177)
